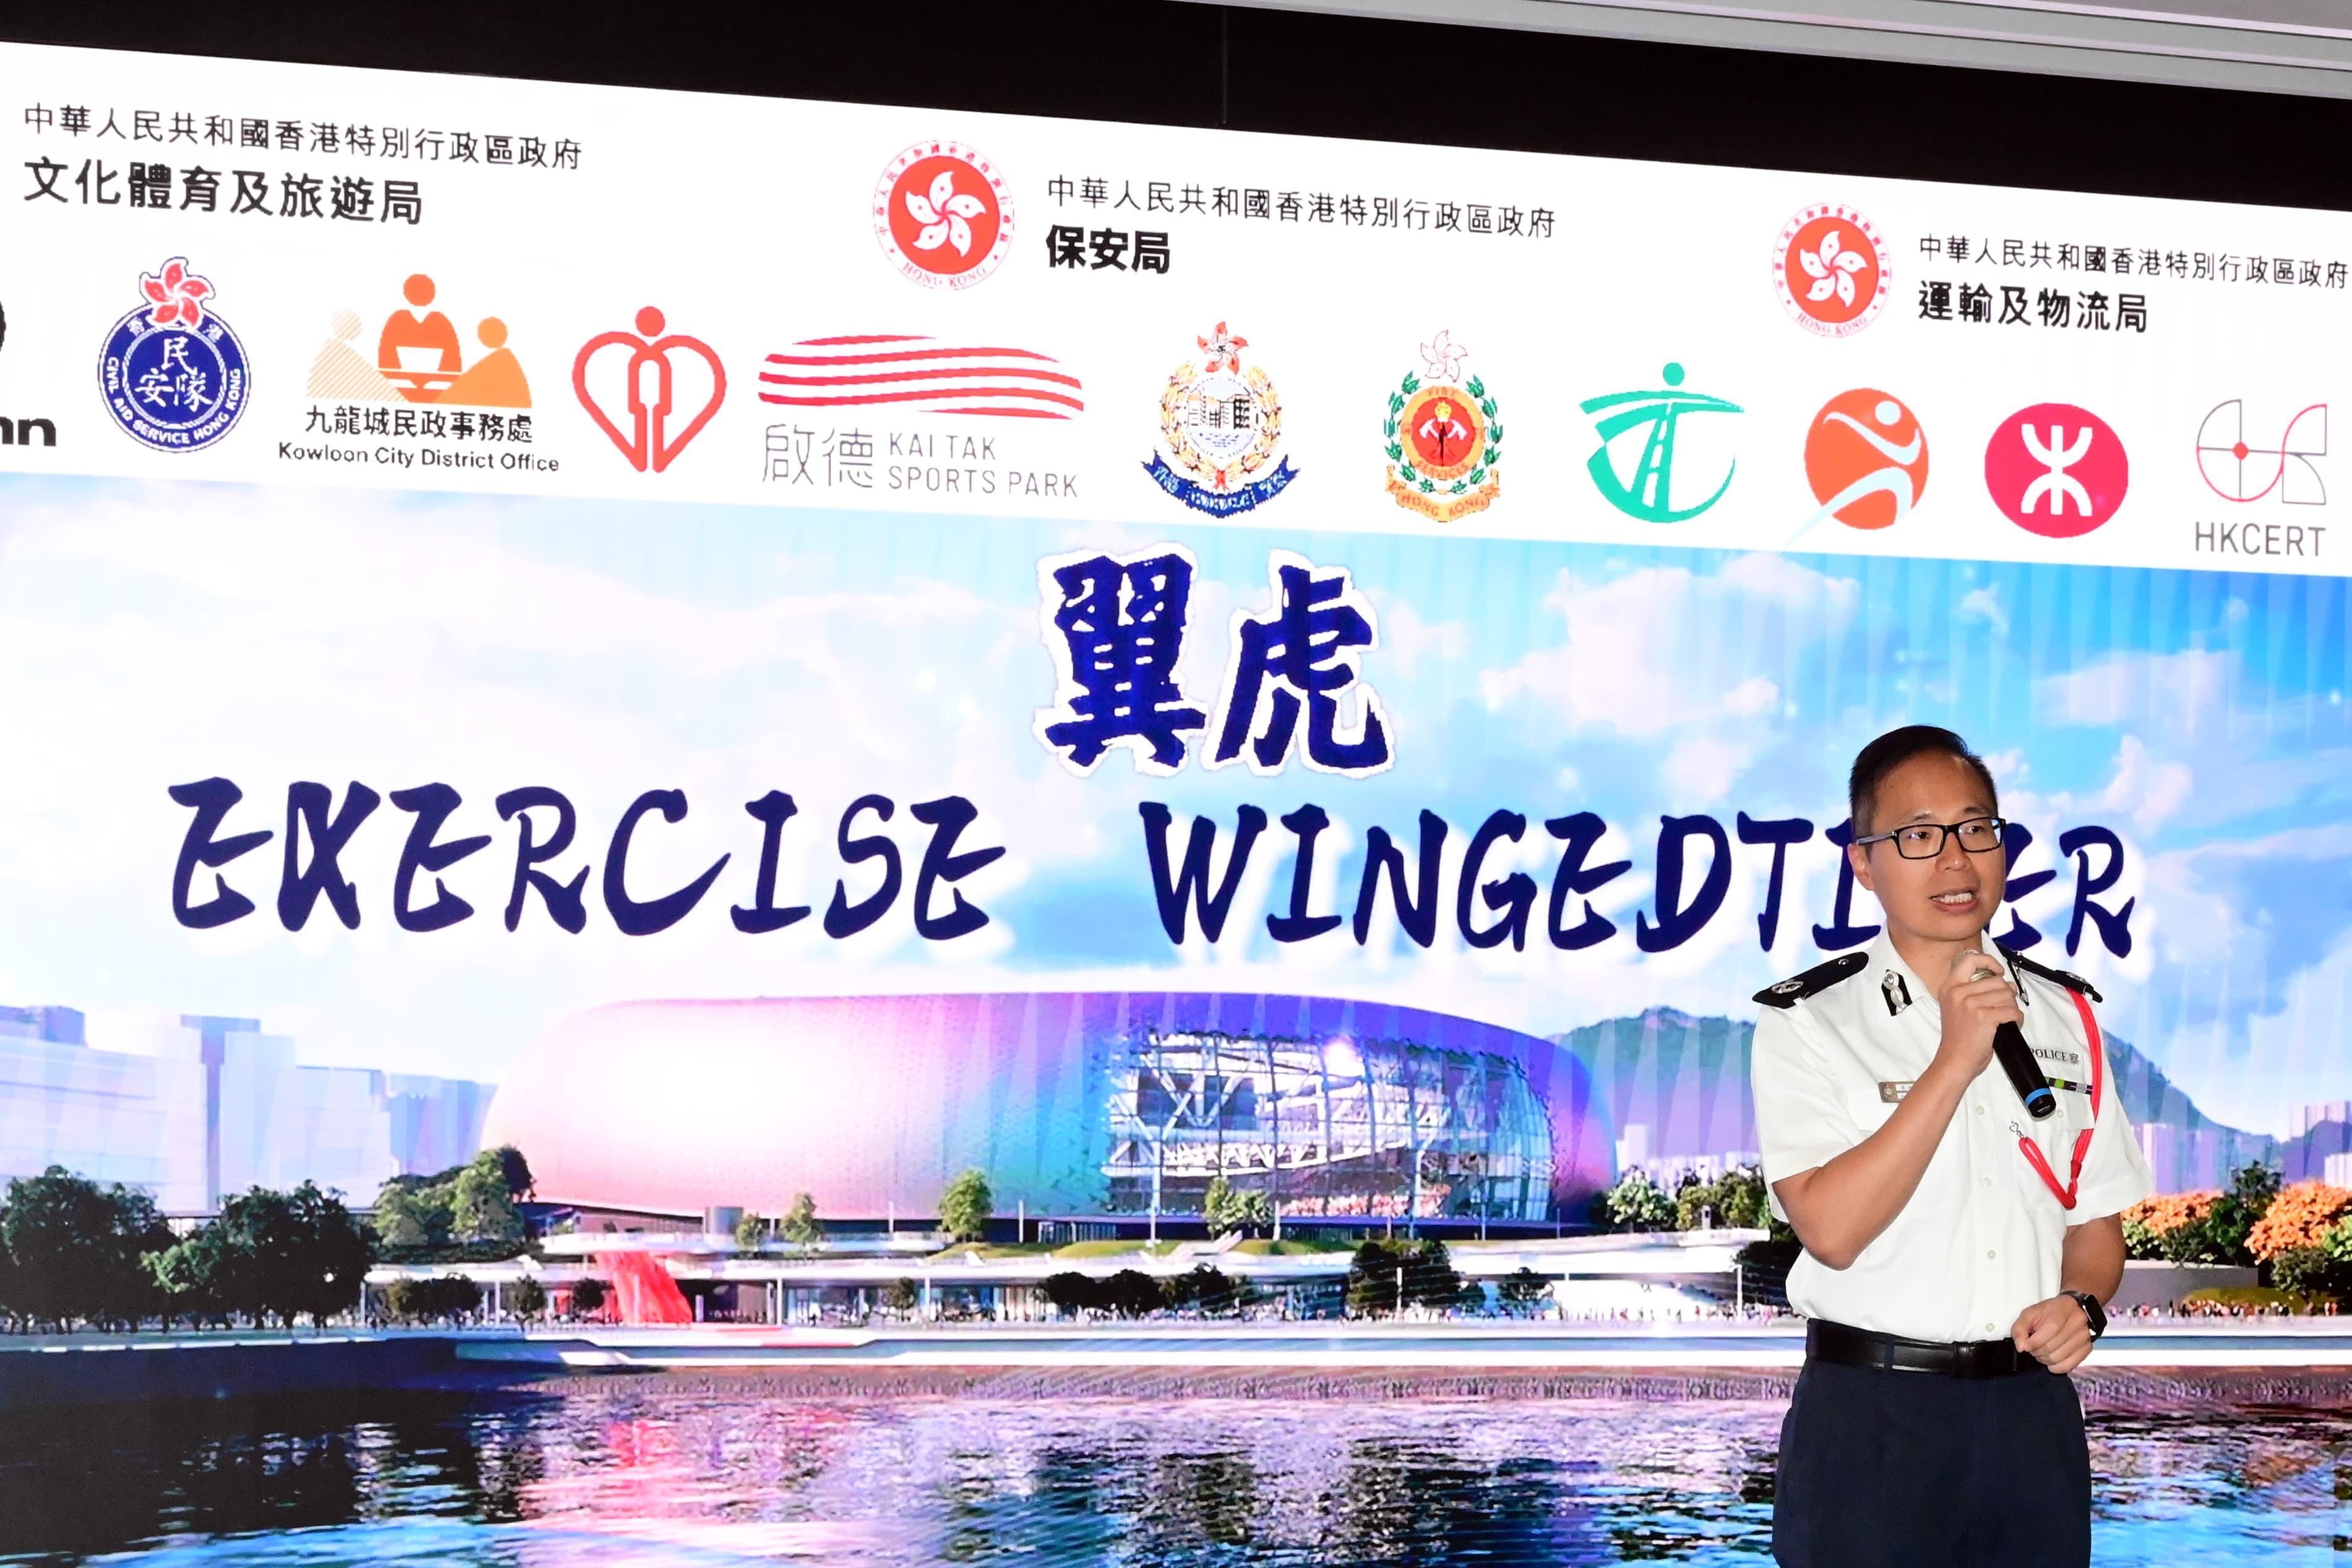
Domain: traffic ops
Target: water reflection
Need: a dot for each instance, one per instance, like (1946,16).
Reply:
(680,1471)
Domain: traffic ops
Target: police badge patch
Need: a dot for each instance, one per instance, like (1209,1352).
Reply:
(173,372)
(1221,432)
(1445,443)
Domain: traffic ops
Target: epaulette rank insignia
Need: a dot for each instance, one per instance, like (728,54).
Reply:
(2065,977)
(1813,981)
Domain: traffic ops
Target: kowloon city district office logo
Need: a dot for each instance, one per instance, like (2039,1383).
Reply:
(173,374)
(1445,438)
(1634,466)
(1220,447)
(2056,470)
(1867,459)
(943,215)
(1830,268)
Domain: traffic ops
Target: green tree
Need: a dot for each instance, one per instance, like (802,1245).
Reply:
(751,1232)
(1070,1292)
(520,1183)
(200,1276)
(410,1217)
(482,1206)
(966,1205)
(800,1225)
(1202,1289)
(2220,1237)
(79,1249)
(901,1296)
(1523,1288)
(526,1299)
(292,1254)
(1635,1203)
(588,1298)
(1424,1271)
(1737,1199)
(1226,1208)
(1216,1204)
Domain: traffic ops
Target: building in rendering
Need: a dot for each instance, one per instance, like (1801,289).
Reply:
(216,1107)
(1074,1103)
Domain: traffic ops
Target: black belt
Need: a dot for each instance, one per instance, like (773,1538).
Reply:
(1836,1343)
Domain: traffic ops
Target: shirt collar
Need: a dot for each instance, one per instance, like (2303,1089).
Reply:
(1883,960)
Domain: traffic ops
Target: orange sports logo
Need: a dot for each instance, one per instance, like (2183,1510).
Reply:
(1829,269)
(1867,459)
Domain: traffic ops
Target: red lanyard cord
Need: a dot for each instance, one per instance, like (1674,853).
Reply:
(2067,1195)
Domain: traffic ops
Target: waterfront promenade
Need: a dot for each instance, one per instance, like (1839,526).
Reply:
(2147,1365)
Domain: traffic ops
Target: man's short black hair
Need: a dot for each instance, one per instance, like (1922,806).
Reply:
(1890,751)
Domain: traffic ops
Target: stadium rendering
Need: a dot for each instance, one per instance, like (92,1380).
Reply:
(1106,1107)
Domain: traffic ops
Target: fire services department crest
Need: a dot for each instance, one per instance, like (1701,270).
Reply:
(1220,447)
(1445,440)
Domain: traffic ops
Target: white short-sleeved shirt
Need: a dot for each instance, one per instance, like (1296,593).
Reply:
(1979,1240)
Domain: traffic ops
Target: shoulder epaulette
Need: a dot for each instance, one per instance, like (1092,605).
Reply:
(2065,977)
(1812,982)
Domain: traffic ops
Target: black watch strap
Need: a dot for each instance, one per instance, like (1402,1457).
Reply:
(2096,1313)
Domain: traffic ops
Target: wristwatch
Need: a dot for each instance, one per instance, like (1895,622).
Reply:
(2096,1313)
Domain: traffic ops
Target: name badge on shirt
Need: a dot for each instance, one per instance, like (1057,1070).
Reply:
(1891,1092)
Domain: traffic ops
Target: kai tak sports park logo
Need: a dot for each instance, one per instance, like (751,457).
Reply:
(1829,266)
(1445,439)
(942,215)
(2056,470)
(1220,447)
(651,390)
(175,376)
(1866,460)
(1648,491)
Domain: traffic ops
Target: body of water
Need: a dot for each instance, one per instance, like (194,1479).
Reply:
(631,1472)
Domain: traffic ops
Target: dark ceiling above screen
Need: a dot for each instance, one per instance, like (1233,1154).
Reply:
(2251,46)
(1258,67)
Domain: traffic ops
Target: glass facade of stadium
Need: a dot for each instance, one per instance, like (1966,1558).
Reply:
(1076,1105)
(1323,1127)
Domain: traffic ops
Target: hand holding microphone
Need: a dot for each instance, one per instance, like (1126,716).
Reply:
(1978,1000)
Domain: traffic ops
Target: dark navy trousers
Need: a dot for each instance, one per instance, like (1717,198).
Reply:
(1913,1470)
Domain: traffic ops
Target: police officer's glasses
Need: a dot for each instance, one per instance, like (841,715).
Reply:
(1924,841)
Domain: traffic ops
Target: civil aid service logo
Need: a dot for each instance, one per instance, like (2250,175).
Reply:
(1867,459)
(943,215)
(650,391)
(1829,266)
(173,372)
(2056,470)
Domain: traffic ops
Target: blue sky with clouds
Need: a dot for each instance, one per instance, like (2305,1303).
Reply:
(155,635)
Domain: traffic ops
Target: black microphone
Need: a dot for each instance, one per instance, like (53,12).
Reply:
(2017,1060)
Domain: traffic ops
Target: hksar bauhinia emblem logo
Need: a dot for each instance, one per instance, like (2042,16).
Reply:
(1445,441)
(1221,431)
(1829,266)
(943,215)
(172,374)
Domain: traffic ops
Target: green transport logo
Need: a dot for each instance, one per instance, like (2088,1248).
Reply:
(1649,492)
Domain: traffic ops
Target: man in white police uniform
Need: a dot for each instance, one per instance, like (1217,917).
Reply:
(1957,1251)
